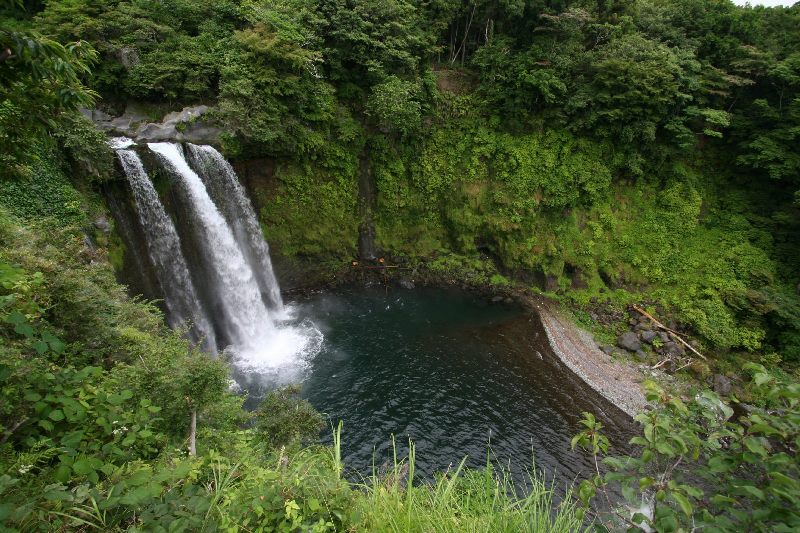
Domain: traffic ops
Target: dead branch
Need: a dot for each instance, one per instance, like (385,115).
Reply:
(661,363)
(674,334)
(12,429)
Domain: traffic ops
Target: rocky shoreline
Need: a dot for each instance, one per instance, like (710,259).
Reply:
(617,381)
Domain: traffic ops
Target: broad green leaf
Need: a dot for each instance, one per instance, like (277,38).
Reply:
(683,502)
(752,491)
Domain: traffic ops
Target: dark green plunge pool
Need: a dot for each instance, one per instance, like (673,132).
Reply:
(457,374)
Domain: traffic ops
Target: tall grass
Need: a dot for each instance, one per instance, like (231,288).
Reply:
(462,501)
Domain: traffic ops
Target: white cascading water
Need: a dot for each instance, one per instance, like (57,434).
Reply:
(236,287)
(163,246)
(258,345)
(223,185)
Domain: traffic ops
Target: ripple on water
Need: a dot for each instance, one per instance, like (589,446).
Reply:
(457,375)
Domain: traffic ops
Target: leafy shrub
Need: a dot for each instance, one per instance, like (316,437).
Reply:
(44,192)
(706,464)
(283,419)
(394,105)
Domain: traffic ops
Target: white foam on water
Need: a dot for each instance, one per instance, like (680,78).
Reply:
(284,358)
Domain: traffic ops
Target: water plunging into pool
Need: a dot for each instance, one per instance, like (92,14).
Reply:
(232,270)
(447,369)
(450,370)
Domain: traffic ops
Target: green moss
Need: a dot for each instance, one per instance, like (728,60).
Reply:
(116,252)
(45,194)
(313,212)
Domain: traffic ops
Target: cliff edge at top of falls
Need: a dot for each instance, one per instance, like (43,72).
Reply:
(619,382)
(191,124)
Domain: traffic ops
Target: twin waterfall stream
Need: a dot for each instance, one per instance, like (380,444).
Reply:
(213,263)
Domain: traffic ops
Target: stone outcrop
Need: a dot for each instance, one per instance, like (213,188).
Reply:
(189,124)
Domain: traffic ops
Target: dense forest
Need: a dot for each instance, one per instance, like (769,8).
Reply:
(602,153)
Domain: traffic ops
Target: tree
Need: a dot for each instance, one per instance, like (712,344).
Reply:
(39,80)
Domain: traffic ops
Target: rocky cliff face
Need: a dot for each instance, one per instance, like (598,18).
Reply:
(191,124)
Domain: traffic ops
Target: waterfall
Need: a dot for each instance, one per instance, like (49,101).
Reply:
(164,249)
(230,263)
(246,318)
(229,195)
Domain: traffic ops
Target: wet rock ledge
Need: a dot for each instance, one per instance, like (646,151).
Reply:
(191,124)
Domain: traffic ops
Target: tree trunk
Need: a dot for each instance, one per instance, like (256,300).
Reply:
(193,433)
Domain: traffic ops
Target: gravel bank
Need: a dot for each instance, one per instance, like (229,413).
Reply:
(618,382)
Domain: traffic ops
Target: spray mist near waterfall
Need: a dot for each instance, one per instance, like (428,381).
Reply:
(236,305)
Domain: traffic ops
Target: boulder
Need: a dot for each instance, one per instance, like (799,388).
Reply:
(641,355)
(127,123)
(100,116)
(201,133)
(742,409)
(722,385)
(629,340)
(102,224)
(648,336)
(123,125)
(156,133)
(407,283)
(607,349)
(107,126)
(664,336)
(672,348)
(187,114)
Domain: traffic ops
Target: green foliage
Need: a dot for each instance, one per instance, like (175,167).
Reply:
(39,79)
(170,49)
(43,193)
(86,149)
(625,150)
(314,211)
(529,160)
(461,500)
(270,88)
(394,105)
(283,419)
(699,465)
